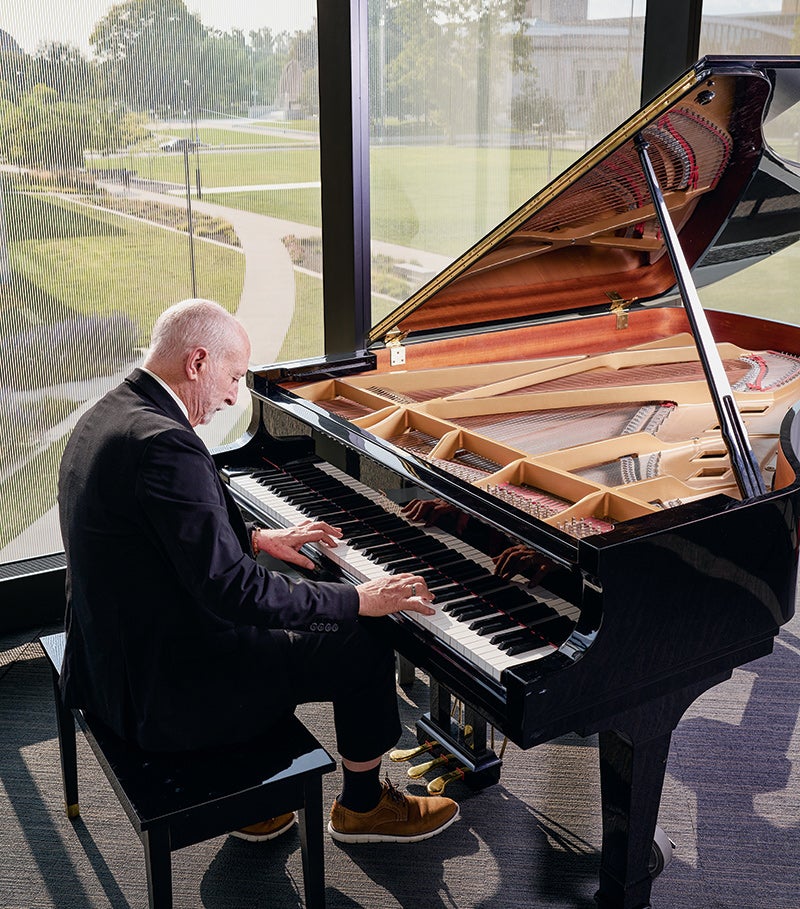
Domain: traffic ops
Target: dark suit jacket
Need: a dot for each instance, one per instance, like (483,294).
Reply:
(168,614)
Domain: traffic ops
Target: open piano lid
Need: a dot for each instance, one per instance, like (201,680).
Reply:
(591,239)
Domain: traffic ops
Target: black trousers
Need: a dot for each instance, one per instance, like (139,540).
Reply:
(353,668)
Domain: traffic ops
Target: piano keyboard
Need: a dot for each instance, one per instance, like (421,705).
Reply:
(490,622)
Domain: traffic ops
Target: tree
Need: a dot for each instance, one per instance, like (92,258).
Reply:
(439,60)
(413,59)
(531,111)
(43,131)
(268,56)
(224,77)
(62,67)
(148,49)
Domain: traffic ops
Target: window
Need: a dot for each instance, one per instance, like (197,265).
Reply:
(768,287)
(474,111)
(146,161)
(150,160)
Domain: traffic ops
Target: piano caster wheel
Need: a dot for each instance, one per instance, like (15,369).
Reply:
(660,853)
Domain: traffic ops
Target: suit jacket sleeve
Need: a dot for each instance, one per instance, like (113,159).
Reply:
(181,496)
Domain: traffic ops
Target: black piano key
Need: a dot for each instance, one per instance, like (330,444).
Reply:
(490,585)
(386,522)
(557,629)
(532,614)
(509,598)
(455,602)
(407,563)
(468,611)
(450,592)
(489,625)
(315,509)
(515,632)
(525,646)
(523,636)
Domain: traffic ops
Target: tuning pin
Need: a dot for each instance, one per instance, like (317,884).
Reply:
(422,769)
(405,754)
(437,786)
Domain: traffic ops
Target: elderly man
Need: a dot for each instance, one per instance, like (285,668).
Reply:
(176,637)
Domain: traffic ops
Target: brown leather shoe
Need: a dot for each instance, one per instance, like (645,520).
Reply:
(266,830)
(397,818)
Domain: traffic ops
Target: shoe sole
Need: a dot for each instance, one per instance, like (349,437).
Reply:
(264,837)
(390,837)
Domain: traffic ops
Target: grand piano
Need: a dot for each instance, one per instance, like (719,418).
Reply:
(557,403)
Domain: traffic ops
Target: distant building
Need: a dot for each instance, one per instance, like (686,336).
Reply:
(576,56)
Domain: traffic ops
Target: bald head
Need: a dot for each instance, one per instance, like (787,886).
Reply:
(201,351)
(190,324)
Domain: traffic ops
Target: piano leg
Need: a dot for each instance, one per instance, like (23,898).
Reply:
(631,779)
(633,761)
(404,670)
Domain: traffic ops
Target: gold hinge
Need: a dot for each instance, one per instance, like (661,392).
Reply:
(619,308)
(394,342)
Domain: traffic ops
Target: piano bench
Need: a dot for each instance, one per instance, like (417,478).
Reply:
(176,800)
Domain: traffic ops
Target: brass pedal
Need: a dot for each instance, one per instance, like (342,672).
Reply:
(405,754)
(437,786)
(422,769)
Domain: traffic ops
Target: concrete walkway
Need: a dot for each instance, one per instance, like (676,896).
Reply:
(258,187)
(266,305)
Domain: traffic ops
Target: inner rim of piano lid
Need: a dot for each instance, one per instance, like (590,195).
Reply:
(394,342)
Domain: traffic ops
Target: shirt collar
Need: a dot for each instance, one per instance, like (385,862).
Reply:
(169,391)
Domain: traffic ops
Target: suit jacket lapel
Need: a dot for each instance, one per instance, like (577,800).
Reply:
(147,386)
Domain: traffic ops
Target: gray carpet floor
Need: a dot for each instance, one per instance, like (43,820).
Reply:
(731,803)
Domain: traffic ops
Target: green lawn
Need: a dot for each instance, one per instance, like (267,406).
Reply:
(67,261)
(111,267)
(438,198)
(29,492)
(223,168)
(305,337)
(768,289)
(300,205)
(220,136)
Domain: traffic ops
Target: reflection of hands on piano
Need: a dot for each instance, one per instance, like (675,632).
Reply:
(390,593)
(285,542)
(521,559)
(436,513)
(455,521)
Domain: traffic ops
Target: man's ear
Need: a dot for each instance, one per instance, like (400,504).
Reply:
(197,363)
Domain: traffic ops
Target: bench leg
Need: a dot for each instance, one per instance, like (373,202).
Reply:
(65,723)
(311,843)
(158,860)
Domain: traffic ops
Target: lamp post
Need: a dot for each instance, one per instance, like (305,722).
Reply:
(189,217)
(193,135)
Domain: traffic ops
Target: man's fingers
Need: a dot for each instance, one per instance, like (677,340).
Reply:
(322,526)
(320,536)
